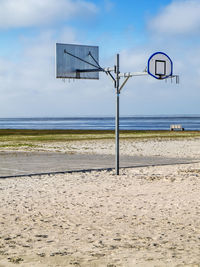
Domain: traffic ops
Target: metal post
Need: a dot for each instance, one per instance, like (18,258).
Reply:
(117,118)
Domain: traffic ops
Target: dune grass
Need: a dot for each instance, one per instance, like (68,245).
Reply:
(26,136)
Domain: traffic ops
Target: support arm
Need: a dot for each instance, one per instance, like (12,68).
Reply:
(125,81)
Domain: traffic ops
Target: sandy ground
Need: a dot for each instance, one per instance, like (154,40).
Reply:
(143,217)
(148,147)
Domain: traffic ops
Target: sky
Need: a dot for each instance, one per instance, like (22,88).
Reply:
(29,30)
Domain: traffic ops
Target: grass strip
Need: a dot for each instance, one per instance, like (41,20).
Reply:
(10,135)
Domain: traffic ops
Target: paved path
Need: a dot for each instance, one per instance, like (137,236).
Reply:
(29,163)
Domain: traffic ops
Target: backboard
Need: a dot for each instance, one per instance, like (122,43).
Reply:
(160,66)
(77,61)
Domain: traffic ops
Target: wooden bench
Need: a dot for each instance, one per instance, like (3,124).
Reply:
(177,127)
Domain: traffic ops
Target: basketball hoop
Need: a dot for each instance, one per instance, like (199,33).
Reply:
(82,62)
(160,66)
(77,61)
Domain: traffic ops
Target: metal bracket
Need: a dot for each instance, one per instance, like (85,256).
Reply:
(125,81)
(89,70)
(174,76)
(90,54)
(66,52)
(132,74)
(108,73)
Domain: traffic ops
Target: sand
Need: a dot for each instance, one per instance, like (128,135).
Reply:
(143,217)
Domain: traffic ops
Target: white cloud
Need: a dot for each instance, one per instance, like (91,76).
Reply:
(25,13)
(29,87)
(180,17)
(35,69)
(133,61)
(108,5)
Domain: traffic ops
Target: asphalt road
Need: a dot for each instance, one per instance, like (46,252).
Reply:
(14,164)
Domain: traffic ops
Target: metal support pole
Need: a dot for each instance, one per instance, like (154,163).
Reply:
(117,119)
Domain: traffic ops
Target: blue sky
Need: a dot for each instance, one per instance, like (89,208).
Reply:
(29,30)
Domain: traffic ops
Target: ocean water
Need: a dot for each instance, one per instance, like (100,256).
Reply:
(188,122)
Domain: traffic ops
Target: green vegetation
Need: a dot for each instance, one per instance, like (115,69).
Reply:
(39,140)
(15,145)
(31,137)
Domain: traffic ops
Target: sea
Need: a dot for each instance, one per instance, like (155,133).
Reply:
(188,122)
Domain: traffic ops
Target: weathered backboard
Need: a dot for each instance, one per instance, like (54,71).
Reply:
(72,60)
(160,66)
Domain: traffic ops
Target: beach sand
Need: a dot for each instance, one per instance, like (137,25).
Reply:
(143,217)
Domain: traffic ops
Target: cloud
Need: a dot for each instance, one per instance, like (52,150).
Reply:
(29,87)
(35,69)
(108,5)
(26,13)
(180,17)
(134,60)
